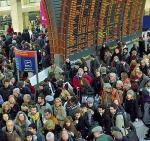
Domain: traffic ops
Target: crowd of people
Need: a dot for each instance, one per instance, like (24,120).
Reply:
(76,101)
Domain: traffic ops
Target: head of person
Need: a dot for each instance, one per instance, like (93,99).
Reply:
(64,135)
(6,83)
(80,72)
(107,88)
(148,72)
(90,102)
(98,74)
(5,117)
(21,84)
(26,98)
(93,57)
(116,101)
(97,131)
(119,84)
(6,106)
(112,77)
(125,50)
(12,80)
(68,120)
(77,65)
(50,136)
(33,109)
(12,100)
(41,99)
(116,133)
(86,69)
(57,102)
(139,74)
(126,86)
(124,76)
(117,50)
(130,95)
(116,59)
(101,109)
(10,126)
(29,136)
(143,63)
(47,114)
(32,128)
(84,108)
(148,83)
(16,92)
(21,117)
(77,114)
(113,108)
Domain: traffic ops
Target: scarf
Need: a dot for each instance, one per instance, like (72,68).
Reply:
(35,117)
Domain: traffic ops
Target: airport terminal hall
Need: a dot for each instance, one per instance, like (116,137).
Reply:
(74,70)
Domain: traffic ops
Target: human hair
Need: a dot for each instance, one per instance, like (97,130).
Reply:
(33,125)
(7,103)
(47,111)
(114,106)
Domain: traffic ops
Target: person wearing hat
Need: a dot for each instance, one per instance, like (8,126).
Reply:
(99,135)
(42,104)
(91,104)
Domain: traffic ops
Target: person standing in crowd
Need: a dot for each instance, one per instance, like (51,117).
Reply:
(118,119)
(94,65)
(99,135)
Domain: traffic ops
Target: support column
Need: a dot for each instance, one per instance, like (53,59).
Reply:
(16,15)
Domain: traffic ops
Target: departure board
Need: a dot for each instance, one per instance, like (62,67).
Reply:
(78,24)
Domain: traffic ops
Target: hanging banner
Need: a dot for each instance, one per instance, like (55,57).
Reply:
(42,13)
(25,60)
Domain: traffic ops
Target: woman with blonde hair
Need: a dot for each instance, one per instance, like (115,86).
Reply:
(14,107)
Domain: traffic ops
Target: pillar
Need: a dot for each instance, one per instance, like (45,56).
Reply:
(16,15)
(26,21)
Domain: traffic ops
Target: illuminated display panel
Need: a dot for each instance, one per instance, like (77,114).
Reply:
(78,24)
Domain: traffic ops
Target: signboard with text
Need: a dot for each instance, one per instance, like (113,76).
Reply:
(26,60)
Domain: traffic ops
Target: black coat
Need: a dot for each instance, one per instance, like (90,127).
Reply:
(98,84)
(131,107)
(103,120)
(5,93)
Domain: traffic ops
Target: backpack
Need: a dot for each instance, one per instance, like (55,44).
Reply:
(127,119)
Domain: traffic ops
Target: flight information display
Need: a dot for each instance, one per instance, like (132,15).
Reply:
(78,24)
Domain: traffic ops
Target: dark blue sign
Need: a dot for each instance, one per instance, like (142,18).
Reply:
(26,60)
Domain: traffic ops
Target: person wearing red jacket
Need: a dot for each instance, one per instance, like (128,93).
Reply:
(77,79)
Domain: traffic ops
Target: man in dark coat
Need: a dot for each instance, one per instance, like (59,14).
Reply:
(103,118)
(6,90)
(94,65)
(141,49)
